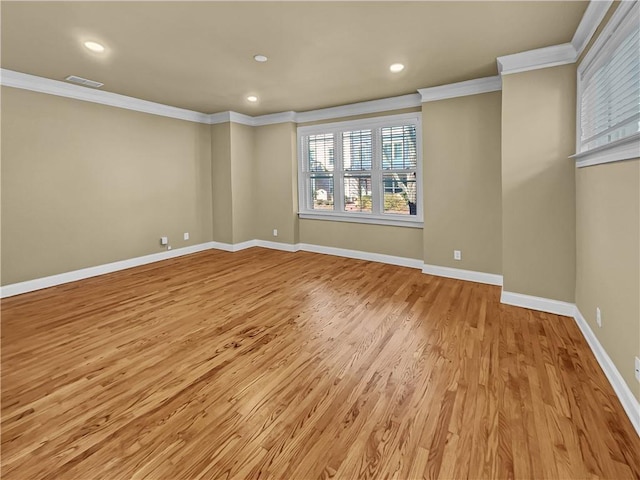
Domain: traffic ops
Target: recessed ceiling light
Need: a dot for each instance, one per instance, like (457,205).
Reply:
(396,67)
(94,47)
(260,58)
(252,98)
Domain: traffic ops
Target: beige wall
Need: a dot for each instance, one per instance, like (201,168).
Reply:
(242,182)
(221,182)
(608,253)
(389,240)
(538,182)
(462,182)
(608,259)
(275,183)
(85,184)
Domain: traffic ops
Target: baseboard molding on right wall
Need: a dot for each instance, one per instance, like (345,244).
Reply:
(538,303)
(624,393)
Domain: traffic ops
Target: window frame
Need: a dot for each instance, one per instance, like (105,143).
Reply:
(627,147)
(376,172)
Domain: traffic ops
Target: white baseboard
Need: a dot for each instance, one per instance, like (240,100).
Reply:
(459,274)
(46,282)
(538,303)
(227,247)
(236,247)
(360,255)
(59,279)
(625,395)
(285,247)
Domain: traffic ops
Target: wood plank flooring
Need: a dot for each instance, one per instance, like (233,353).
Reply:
(273,365)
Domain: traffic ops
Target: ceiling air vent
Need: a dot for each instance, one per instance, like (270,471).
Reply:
(83,81)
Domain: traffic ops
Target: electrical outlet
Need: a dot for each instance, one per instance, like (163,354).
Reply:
(186,235)
(457,255)
(164,240)
(599,317)
(638,369)
(275,232)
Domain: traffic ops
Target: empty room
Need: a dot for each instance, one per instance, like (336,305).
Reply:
(320,240)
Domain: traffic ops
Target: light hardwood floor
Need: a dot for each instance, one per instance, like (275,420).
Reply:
(266,364)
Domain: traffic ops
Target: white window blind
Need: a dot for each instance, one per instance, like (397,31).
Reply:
(365,170)
(609,88)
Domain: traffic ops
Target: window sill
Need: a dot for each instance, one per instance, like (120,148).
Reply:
(377,220)
(618,151)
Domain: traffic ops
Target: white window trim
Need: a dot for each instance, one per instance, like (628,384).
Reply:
(416,221)
(626,148)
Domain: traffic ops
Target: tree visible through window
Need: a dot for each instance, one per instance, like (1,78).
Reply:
(367,169)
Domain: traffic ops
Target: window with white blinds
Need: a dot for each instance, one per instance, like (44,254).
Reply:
(609,85)
(363,170)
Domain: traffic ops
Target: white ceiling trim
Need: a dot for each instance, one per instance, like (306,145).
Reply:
(240,118)
(273,118)
(461,89)
(539,58)
(593,15)
(563,54)
(360,108)
(9,78)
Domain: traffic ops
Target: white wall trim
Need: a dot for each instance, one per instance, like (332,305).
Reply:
(285,247)
(360,108)
(540,58)
(360,255)
(625,395)
(45,282)
(461,89)
(623,149)
(227,247)
(593,15)
(236,247)
(9,78)
(547,305)
(273,118)
(623,392)
(59,279)
(354,218)
(222,117)
(460,274)
(241,118)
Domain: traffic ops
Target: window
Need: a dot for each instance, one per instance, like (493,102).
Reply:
(609,91)
(363,170)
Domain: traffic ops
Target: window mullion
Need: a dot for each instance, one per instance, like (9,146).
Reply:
(377,190)
(305,185)
(338,174)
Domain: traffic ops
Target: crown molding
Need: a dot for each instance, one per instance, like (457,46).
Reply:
(241,118)
(273,118)
(461,89)
(222,117)
(360,108)
(539,58)
(9,78)
(593,15)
